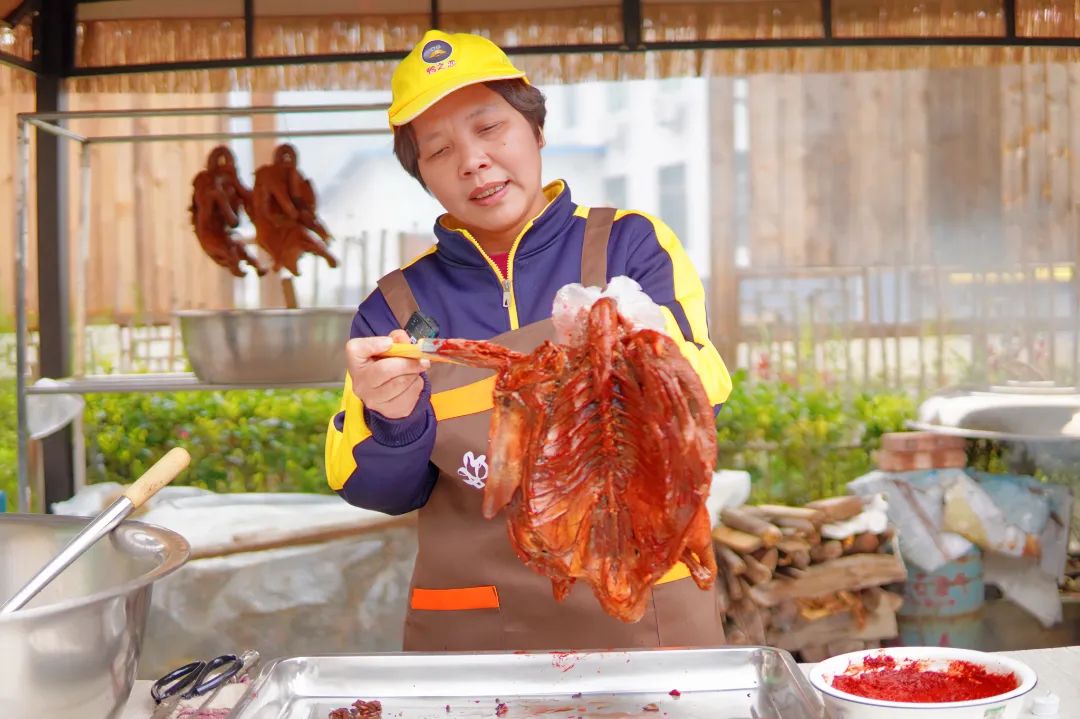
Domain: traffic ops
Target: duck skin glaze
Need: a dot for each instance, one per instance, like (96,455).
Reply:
(602,452)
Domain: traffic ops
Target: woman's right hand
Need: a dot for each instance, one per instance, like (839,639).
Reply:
(390,386)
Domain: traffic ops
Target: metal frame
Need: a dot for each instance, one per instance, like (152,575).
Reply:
(632,25)
(54,124)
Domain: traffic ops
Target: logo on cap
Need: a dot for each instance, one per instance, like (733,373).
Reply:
(436,51)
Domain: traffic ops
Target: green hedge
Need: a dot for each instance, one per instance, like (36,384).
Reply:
(803,443)
(240,441)
(797,443)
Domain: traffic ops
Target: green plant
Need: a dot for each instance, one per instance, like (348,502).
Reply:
(240,441)
(8,441)
(803,443)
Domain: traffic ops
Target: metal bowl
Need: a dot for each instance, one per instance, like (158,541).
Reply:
(73,650)
(1025,412)
(267,346)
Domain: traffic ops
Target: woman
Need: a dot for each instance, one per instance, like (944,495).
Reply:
(469,127)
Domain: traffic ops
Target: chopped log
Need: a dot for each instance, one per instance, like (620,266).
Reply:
(843,646)
(800,559)
(879,624)
(723,600)
(741,542)
(769,558)
(826,550)
(803,526)
(814,654)
(737,637)
(746,522)
(871,597)
(756,572)
(790,545)
(776,512)
(858,571)
(837,509)
(865,543)
(792,572)
(734,589)
(732,560)
(784,614)
(748,616)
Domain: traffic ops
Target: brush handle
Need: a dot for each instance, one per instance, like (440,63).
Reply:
(411,351)
(403,349)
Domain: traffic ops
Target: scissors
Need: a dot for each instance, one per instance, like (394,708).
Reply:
(196,679)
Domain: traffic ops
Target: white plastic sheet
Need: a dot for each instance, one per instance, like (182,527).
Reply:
(344,595)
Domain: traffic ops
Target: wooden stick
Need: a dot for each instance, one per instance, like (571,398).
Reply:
(256,542)
(804,527)
(800,559)
(858,571)
(739,541)
(733,561)
(745,522)
(825,551)
(756,572)
(734,589)
(769,558)
(776,512)
(723,600)
(792,545)
(837,509)
(865,543)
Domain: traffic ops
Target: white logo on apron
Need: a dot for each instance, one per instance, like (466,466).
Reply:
(474,470)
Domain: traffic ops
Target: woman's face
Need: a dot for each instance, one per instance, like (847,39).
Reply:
(480,158)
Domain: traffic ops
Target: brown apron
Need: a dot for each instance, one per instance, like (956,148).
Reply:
(470,591)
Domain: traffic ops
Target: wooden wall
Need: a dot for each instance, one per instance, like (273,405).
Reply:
(954,165)
(144,260)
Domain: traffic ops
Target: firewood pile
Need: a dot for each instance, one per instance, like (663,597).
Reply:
(791,578)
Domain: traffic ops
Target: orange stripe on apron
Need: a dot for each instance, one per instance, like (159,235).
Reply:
(488,597)
(455,599)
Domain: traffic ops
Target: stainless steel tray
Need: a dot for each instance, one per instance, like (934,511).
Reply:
(727,683)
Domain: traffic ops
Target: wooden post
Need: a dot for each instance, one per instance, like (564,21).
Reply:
(723,276)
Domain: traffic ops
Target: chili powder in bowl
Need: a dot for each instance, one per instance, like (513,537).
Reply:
(923,682)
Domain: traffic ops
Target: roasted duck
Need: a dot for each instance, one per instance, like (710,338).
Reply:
(602,455)
(216,202)
(285,215)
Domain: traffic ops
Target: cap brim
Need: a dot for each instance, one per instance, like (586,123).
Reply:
(425,100)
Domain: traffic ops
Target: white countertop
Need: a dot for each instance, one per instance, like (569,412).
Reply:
(1058,670)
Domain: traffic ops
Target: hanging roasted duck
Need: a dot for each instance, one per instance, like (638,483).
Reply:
(602,450)
(216,203)
(286,222)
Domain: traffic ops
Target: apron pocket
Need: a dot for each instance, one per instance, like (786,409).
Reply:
(460,619)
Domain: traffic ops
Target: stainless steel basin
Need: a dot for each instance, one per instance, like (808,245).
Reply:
(73,650)
(267,346)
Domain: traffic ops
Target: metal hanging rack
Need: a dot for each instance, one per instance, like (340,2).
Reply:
(55,123)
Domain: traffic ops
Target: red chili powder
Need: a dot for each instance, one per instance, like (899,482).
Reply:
(882,678)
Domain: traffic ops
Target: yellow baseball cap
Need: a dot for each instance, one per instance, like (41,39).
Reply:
(441,63)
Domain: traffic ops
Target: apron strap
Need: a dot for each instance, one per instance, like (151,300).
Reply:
(594,247)
(396,292)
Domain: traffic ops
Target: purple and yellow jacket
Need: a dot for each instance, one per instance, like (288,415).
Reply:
(383,464)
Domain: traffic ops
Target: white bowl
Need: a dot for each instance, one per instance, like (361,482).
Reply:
(842,705)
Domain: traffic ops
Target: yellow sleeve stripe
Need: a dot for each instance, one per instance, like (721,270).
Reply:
(705,360)
(340,462)
(689,292)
